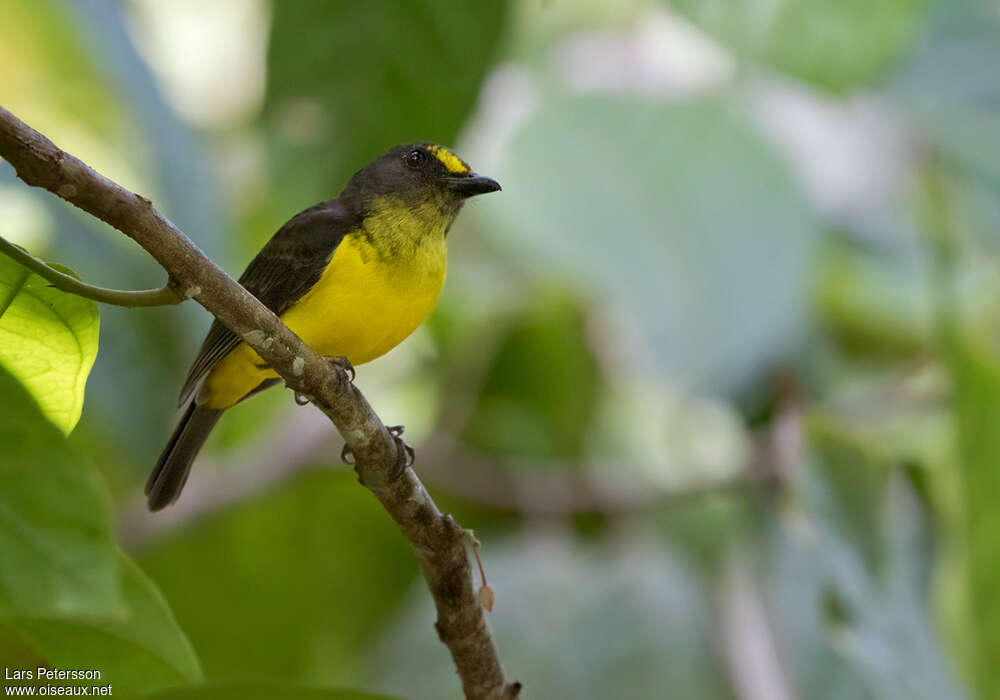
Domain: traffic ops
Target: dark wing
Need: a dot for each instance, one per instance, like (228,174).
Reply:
(284,270)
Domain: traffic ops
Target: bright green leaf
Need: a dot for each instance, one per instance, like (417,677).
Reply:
(249,691)
(57,552)
(48,340)
(836,45)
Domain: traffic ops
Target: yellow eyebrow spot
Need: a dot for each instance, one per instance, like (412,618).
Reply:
(450,160)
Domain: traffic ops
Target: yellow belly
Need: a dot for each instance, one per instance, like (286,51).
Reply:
(361,308)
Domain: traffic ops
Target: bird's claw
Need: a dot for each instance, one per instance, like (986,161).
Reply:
(345,376)
(403,450)
(345,369)
(405,453)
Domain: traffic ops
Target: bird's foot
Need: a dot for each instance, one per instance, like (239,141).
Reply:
(345,370)
(345,376)
(405,454)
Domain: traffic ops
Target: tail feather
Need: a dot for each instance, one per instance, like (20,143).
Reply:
(172,468)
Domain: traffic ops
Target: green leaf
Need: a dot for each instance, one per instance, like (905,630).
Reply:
(675,217)
(326,567)
(68,597)
(137,649)
(539,395)
(975,368)
(875,305)
(348,80)
(265,691)
(836,45)
(48,340)
(57,551)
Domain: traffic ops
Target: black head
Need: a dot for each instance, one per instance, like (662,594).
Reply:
(418,172)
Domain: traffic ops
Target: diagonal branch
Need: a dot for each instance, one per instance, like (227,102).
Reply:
(164,296)
(437,540)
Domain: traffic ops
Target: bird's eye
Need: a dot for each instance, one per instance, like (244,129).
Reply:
(416,159)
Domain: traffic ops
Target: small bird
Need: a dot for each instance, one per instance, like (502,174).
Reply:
(352,276)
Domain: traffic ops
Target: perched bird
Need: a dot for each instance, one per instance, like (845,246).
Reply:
(352,276)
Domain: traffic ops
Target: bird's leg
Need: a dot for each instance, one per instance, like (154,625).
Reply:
(345,376)
(343,367)
(406,455)
(403,450)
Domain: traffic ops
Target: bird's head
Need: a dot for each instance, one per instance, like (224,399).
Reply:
(419,174)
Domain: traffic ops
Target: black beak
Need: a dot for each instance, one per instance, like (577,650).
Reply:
(472,184)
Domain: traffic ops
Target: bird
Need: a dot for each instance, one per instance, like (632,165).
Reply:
(351,276)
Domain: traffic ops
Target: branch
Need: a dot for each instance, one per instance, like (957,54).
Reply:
(164,296)
(437,540)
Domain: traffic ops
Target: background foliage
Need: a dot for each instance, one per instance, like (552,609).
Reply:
(715,378)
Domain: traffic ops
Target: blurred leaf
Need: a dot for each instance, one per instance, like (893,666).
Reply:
(101,103)
(16,651)
(976,375)
(949,87)
(847,488)
(260,692)
(897,416)
(299,578)
(705,529)
(57,552)
(849,635)
(346,81)
(836,45)
(539,396)
(180,165)
(875,305)
(665,440)
(538,26)
(40,45)
(572,621)
(675,217)
(48,340)
(137,650)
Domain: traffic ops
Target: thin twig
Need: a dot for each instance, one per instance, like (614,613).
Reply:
(437,541)
(748,645)
(164,296)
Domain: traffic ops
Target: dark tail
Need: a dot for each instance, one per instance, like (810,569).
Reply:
(174,465)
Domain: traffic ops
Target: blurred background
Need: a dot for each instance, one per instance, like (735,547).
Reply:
(715,379)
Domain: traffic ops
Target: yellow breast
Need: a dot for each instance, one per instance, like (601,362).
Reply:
(368,300)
